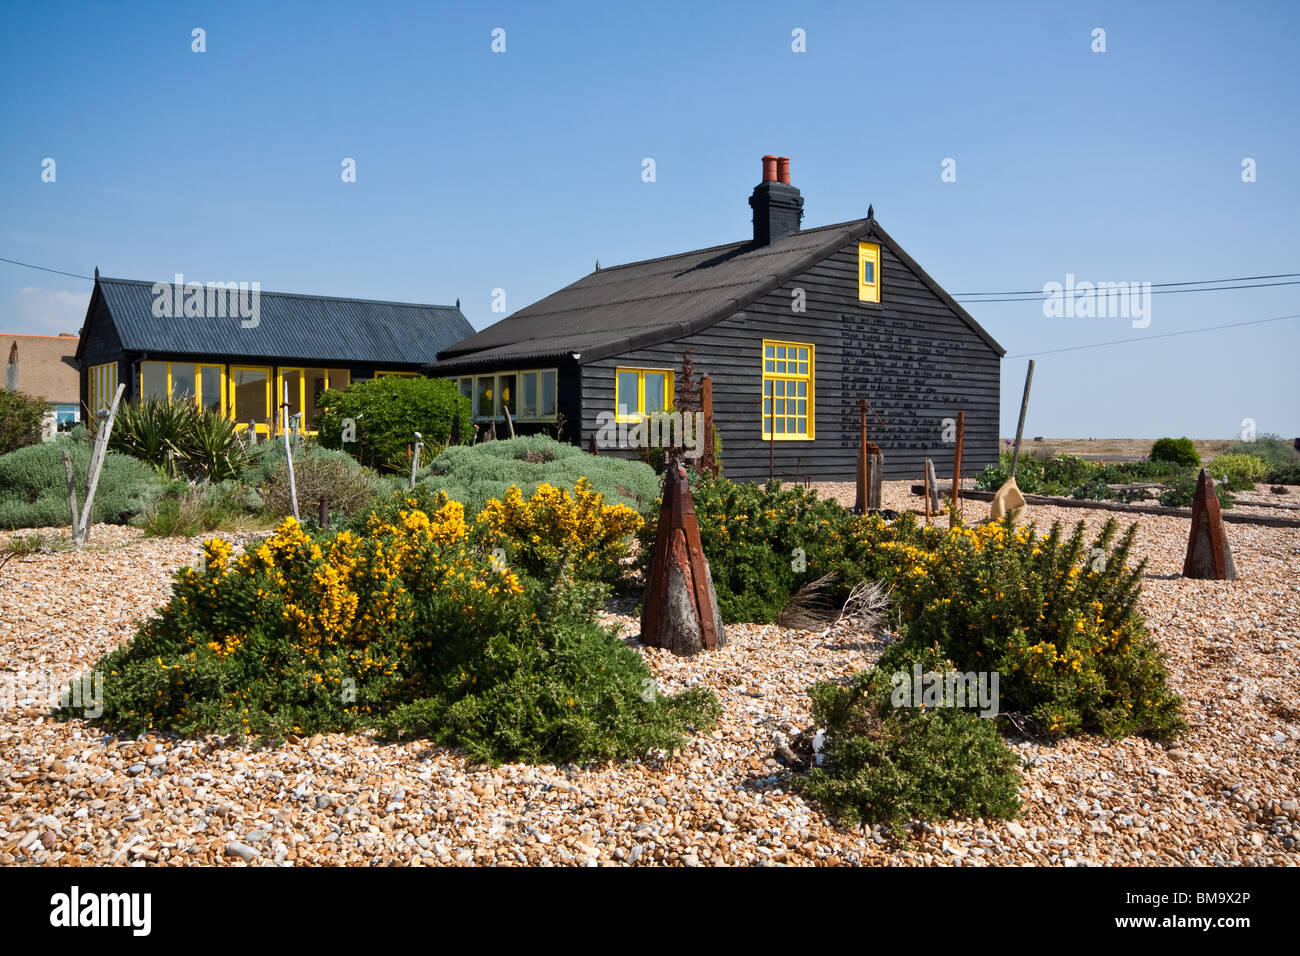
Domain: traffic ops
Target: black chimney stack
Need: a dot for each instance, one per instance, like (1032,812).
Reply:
(777,205)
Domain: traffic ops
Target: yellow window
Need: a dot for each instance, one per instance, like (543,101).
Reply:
(642,391)
(250,397)
(101,386)
(868,272)
(788,380)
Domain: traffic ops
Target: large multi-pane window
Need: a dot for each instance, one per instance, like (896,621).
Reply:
(101,384)
(529,395)
(788,390)
(184,381)
(641,391)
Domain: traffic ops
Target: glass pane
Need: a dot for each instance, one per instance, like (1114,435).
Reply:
(656,387)
(780,351)
(528,388)
(340,378)
(767,425)
(290,379)
(767,387)
(802,406)
(769,351)
(780,426)
(210,387)
(315,388)
(868,271)
(803,368)
(801,388)
(485,408)
(184,385)
(250,394)
(548,393)
(803,426)
(769,366)
(767,407)
(628,401)
(154,376)
(803,355)
(506,388)
(467,388)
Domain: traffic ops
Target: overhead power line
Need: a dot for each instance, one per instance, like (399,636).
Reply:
(1154,285)
(1049,296)
(1149,338)
(60,272)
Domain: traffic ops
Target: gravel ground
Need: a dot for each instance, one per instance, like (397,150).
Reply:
(1226,794)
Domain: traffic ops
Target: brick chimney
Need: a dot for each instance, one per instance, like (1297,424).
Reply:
(778,206)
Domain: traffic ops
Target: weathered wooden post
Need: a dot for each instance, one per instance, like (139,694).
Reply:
(510,424)
(1208,555)
(954,513)
(931,490)
(708,461)
(680,612)
(861,504)
(72,493)
(591,445)
(415,459)
(323,513)
(81,530)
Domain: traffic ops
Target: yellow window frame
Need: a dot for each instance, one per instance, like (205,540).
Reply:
(868,254)
(641,373)
(778,376)
(259,427)
(101,384)
(198,380)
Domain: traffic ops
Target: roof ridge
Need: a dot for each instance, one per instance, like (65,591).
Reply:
(304,295)
(761,250)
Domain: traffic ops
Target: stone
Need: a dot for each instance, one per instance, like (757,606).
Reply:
(241,851)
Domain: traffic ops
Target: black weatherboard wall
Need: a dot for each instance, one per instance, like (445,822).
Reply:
(900,342)
(910,356)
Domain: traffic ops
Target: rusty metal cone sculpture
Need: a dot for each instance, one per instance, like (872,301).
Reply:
(1208,554)
(680,611)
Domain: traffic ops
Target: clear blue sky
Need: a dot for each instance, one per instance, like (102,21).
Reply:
(478,170)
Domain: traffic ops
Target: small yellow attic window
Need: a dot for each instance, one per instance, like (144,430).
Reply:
(868,272)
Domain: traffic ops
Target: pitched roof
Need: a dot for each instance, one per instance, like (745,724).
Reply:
(643,303)
(310,328)
(47,366)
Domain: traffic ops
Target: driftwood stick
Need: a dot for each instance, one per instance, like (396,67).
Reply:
(954,512)
(72,498)
(97,464)
(1020,428)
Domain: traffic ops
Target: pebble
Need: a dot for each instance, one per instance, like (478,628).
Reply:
(1223,795)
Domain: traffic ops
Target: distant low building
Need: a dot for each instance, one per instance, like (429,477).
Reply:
(241,353)
(45,366)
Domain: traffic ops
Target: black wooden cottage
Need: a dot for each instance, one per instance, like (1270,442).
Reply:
(794,326)
(241,354)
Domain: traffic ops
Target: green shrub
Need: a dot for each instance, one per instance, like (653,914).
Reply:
(411,628)
(1240,471)
(34,493)
(21,419)
(884,763)
(179,439)
(763,543)
(347,486)
(387,411)
(472,474)
(1178,451)
(1282,458)
(1182,491)
(1057,617)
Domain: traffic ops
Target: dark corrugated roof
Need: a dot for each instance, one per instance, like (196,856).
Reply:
(657,300)
(307,327)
